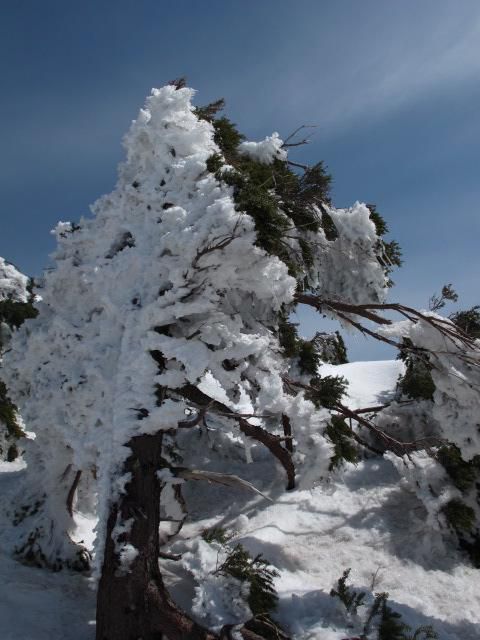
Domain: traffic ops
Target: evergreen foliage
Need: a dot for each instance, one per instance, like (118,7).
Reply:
(227,318)
(417,382)
(209,111)
(340,435)
(239,564)
(463,474)
(271,224)
(257,571)
(462,519)
(331,348)
(448,294)
(8,414)
(459,515)
(388,623)
(323,347)
(378,220)
(12,314)
(216,534)
(280,201)
(214,163)
(470,544)
(288,336)
(308,357)
(390,253)
(350,598)
(468,321)
(327,391)
(391,626)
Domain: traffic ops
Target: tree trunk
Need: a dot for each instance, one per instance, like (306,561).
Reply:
(136,605)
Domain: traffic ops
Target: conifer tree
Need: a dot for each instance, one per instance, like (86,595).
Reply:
(15,306)
(189,270)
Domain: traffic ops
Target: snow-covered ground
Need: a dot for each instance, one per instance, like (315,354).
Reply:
(369,383)
(363,519)
(37,604)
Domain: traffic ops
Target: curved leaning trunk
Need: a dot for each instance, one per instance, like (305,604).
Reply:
(136,604)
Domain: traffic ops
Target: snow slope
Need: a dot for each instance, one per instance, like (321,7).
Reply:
(369,383)
(363,519)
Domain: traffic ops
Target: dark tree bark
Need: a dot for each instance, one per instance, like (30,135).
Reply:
(136,605)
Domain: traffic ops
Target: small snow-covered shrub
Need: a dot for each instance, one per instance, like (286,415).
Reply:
(233,587)
(377,620)
(258,573)
(350,598)
(340,435)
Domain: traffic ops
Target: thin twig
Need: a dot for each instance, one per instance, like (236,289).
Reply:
(292,135)
(305,167)
(269,440)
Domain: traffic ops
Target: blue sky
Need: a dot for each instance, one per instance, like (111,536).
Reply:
(394,88)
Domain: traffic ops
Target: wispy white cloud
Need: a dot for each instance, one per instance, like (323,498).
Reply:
(386,63)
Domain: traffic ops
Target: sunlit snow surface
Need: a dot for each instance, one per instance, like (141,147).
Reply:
(370,383)
(363,519)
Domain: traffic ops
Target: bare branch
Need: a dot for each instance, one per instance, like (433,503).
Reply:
(305,167)
(71,493)
(292,135)
(368,311)
(381,407)
(217,244)
(319,303)
(390,443)
(271,441)
(363,443)
(227,479)
(448,293)
(296,144)
(369,332)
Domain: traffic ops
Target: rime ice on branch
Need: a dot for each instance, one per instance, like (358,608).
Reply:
(188,269)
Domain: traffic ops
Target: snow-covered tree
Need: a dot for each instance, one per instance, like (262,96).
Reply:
(438,403)
(15,307)
(170,307)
